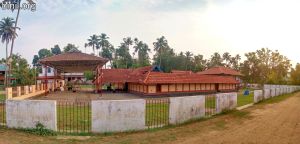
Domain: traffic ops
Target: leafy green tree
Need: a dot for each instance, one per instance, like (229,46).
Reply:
(199,63)
(89,75)
(21,71)
(107,52)
(215,60)
(70,47)
(123,58)
(56,50)
(188,60)
(295,75)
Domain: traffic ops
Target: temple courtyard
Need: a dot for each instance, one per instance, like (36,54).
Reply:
(85,96)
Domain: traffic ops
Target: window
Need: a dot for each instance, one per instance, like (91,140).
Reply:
(49,70)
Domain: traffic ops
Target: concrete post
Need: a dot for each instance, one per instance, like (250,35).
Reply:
(18,91)
(33,88)
(8,92)
(26,90)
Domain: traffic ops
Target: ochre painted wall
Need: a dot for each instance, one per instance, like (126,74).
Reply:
(152,89)
(164,88)
(179,87)
(186,87)
(192,87)
(172,88)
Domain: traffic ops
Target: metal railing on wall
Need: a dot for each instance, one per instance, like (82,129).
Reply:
(2,113)
(74,116)
(210,105)
(157,112)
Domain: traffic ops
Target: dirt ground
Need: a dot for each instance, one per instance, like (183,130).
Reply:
(85,96)
(268,122)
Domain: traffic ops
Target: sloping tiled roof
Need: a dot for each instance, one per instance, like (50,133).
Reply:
(220,70)
(147,76)
(73,62)
(155,77)
(181,71)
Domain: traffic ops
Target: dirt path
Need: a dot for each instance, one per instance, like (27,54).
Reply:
(276,123)
(263,123)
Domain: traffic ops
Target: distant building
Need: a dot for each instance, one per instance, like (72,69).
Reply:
(2,73)
(3,69)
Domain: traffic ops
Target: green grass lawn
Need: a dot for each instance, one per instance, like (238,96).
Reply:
(2,113)
(243,100)
(157,114)
(2,97)
(74,118)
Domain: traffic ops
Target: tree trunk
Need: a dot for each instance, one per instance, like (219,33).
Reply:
(5,76)
(159,58)
(13,40)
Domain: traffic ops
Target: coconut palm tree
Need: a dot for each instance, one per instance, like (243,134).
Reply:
(188,56)
(7,34)
(93,42)
(103,42)
(160,45)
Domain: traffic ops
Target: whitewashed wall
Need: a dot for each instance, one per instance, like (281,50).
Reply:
(27,113)
(186,108)
(225,101)
(118,115)
(258,96)
(267,93)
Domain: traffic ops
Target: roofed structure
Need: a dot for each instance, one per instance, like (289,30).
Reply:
(73,61)
(220,70)
(150,81)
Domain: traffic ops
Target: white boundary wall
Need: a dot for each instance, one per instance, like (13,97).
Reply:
(267,93)
(273,92)
(186,108)
(118,115)
(27,113)
(225,101)
(258,96)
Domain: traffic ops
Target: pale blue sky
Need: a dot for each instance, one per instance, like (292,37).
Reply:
(200,26)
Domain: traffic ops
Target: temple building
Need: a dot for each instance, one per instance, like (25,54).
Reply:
(152,81)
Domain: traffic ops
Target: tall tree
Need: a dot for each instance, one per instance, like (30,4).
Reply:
(215,60)
(56,50)
(160,46)
(7,34)
(295,75)
(93,42)
(70,47)
(227,58)
(188,60)
(103,42)
(199,63)
(107,52)
(142,49)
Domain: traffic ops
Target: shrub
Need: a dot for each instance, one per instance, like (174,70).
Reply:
(41,130)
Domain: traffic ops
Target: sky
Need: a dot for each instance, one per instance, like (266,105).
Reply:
(200,26)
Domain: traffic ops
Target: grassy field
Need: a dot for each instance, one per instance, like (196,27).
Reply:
(2,97)
(157,114)
(74,118)
(244,99)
